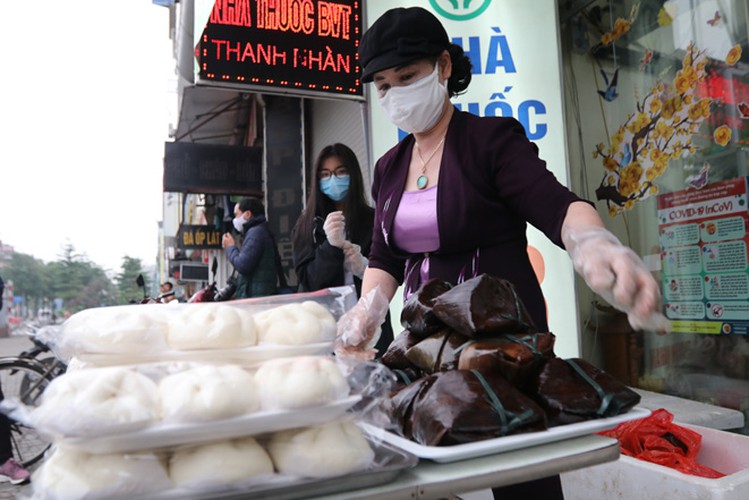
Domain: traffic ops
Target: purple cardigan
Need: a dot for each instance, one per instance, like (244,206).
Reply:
(491,184)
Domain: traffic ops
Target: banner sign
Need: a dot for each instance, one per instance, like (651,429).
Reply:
(212,169)
(293,46)
(703,237)
(198,237)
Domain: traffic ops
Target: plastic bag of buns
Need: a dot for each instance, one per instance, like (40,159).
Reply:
(242,330)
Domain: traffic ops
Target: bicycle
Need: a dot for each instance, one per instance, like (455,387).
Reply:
(25,377)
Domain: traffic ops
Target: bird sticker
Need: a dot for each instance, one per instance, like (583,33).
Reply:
(700,179)
(646,59)
(743,110)
(610,93)
(714,21)
(626,156)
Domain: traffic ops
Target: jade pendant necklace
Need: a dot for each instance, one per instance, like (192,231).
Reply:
(423,180)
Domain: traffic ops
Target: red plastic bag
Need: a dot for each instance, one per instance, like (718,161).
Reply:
(658,440)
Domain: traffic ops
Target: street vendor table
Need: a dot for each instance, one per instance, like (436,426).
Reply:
(438,480)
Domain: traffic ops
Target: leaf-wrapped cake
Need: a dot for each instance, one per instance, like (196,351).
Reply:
(463,406)
(476,369)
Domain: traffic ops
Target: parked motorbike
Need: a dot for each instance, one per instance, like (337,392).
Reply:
(211,293)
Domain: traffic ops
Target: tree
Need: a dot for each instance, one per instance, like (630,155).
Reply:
(73,278)
(79,282)
(29,278)
(127,289)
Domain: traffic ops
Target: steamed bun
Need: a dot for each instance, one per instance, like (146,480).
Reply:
(300,382)
(331,449)
(69,473)
(219,463)
(97,400)
(300,323)
(208,393)
(128,329)
(212,326)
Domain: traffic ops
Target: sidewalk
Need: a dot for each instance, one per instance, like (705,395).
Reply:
(14,491)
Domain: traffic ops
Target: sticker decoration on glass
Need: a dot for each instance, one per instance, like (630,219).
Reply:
(659,130)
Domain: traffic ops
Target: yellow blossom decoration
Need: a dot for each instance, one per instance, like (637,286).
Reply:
(733,55)
(621,26)
(722,135)
(658,131)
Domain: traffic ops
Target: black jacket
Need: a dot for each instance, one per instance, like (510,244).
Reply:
(319,265)
(255,261)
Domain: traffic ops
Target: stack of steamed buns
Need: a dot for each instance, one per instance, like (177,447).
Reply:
(96,402)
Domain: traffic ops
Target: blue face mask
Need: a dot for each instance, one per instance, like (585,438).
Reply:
(335,188)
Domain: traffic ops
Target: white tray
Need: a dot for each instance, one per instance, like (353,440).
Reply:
(246,355)
(170,435)
(506,443)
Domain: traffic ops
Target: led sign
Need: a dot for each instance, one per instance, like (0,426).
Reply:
(292,46)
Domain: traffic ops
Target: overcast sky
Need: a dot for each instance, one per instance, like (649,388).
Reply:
(85,92)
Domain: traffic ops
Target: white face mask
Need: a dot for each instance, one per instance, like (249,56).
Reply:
(416,107)
(238,223)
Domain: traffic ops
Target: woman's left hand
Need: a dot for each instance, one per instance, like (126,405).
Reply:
(353,260)
(617,274)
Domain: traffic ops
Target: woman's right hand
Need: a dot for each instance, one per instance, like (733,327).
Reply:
(335,228)
(359,329)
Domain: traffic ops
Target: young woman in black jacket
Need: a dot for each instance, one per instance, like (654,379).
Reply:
(333,234)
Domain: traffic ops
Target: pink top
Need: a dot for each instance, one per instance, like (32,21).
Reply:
(415,225)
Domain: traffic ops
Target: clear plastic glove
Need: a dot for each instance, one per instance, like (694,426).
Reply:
(359,329)
(353,260)
(335,228)
(617,274)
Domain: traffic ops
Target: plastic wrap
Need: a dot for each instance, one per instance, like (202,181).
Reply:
(617,274)
(359,329)
(165,402)
(206,393)
(92,402)
(329,449)
(203,331)
(219,463)
(300,382)
(279,459)
(69,474)
(657,439)
(373,383)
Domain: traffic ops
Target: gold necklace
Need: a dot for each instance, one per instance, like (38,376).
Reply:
(423,180)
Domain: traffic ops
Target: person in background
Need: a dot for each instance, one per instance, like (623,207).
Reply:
(454,197)
(10,470)
(332,236)
(255,260)
(166,294)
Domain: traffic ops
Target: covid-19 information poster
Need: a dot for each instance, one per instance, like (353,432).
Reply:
(703,238)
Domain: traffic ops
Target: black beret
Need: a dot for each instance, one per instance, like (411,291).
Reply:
(399,36)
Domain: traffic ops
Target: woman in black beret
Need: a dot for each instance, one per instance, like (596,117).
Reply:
(454,197)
